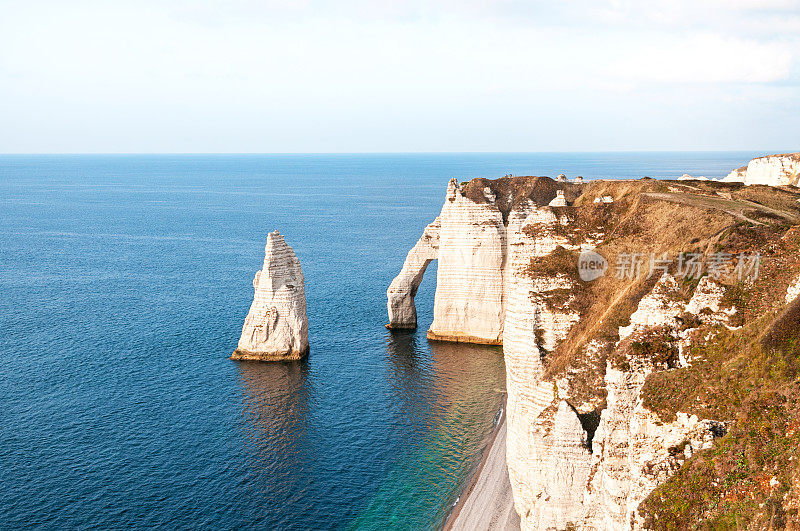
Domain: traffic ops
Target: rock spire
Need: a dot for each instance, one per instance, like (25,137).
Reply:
(276,327)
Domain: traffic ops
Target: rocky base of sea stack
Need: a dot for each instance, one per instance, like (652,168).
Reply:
(390,326)
(463,338)
(246,355)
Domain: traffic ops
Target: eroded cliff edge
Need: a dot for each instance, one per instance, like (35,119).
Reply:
(630,391)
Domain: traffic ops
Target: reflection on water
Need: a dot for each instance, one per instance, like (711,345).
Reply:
(411,379)
(449,395)
(275,403)
(276,414)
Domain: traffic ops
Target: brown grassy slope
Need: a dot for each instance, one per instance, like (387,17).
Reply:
(634,223)
(749,478)
(638,222)
(749,377)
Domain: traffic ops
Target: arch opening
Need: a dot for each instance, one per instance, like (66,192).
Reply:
(400,295)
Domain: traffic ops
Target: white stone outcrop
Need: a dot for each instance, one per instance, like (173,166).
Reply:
(792,291)
(468,304)
(403,289)
(658,308)
(559,200)
(736,176)
(604,199)
(771,170)
(276,327)
(707,296)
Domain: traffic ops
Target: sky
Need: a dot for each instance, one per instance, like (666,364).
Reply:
(275,76)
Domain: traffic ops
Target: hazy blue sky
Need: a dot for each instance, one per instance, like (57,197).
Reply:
(313,76)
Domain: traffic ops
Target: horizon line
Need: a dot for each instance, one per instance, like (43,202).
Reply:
(215,153)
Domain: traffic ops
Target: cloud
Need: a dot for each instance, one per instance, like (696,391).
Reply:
(246,66)
(704,59)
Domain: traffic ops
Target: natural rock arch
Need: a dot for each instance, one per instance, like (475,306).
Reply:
(403,289)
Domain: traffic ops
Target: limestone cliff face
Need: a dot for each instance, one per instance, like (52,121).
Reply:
(565,476)
(468,305)
(772,170)
(736,176)
(587,444)
(276,327)
(475,277)
(540,451)
(633,452)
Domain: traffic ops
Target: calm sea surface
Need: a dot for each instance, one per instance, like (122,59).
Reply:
(124,282)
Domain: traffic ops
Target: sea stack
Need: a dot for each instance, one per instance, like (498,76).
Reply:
(276,327)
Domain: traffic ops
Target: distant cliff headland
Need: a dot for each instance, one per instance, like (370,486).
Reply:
(650,330)
(772,170)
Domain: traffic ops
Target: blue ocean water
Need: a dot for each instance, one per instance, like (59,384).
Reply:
(124,282)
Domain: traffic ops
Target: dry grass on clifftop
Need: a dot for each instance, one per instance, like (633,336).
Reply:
(634,223)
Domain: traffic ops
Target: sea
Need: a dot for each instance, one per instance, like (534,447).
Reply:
(124,283)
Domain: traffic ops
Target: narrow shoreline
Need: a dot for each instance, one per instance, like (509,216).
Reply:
(465,495)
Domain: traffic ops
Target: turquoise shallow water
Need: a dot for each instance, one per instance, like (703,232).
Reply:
(124,281)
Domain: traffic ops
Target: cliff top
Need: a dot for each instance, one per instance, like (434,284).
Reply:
(511,191)
(745,203)
(793,156)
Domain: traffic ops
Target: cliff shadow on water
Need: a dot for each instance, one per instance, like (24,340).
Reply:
(447,394)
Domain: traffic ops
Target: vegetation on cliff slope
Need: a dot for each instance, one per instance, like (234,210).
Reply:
(747,377)
(752,381)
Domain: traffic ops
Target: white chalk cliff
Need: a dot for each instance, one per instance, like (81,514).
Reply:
(575,460)
(771,170)
(470,239)
(276,327)
(469,285)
